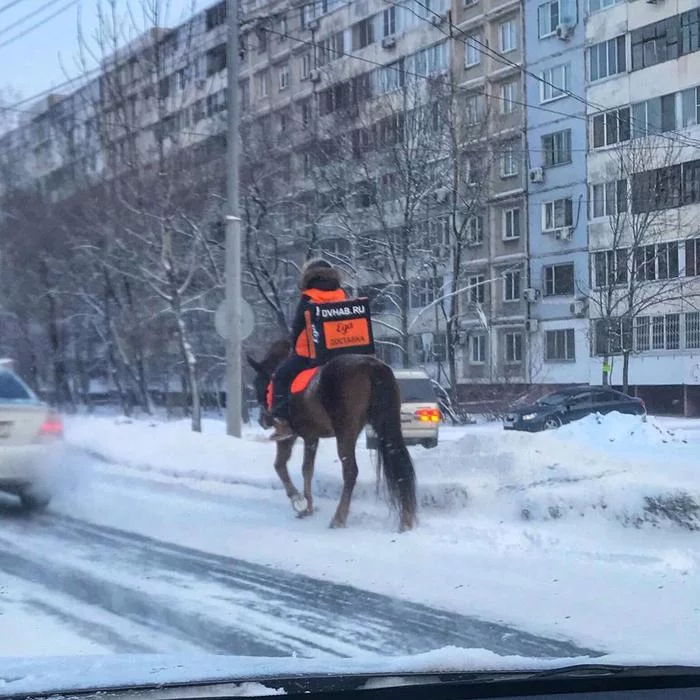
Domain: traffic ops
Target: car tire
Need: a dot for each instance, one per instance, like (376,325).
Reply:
(429,444)
(551,423)
(34,502)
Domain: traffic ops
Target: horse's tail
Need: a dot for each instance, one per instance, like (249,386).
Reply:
(394,461)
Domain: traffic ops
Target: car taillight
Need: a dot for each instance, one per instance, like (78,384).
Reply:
(428,415)
(52,427)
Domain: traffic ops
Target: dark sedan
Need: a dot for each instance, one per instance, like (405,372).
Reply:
(569,405)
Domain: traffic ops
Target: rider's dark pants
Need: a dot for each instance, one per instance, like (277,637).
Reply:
(282,381)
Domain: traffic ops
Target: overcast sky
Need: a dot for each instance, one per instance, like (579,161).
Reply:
(37,58)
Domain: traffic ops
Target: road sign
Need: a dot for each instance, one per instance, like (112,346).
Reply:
(247,319)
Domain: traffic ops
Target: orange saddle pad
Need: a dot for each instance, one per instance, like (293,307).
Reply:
(299,384)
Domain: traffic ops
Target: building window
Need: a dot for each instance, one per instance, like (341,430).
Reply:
(508,35)
(555,82)
(306,113)
(424,292)
(655,43)
(611,127)
(390,21)
(511,224)
(654,116)
(509,96)
(511,286)
(558,280)
(692,330)
(261,84)
(261,33)
(283,29)
(216,59)
(656,262)
(596,5)
(363,33)
(477,349)
(666,332)
(477,289)
(557,213)
(513,343)
(610,267)
(692,257)
(559,345)
(555,12)
(608,199)
(690,107)
(662,188)
(472,50)
(474,107)
(557,148)
(509,160)
(215,16)
(284,77)
(305,66)
(607,58)
(475,230)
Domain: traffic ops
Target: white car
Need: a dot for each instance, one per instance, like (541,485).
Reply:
(30,435)
(420,413)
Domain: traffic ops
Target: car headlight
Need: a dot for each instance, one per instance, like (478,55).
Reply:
(529,416)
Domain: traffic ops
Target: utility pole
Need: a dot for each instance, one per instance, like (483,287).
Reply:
(234,367)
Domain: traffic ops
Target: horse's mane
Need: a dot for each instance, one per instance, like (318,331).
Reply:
(277,352)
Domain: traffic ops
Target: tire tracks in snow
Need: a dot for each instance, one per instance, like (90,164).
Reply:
(227,605)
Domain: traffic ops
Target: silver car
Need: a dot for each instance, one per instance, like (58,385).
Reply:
(420,413)
(30,435)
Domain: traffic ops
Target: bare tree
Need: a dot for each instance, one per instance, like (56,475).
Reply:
(636,268)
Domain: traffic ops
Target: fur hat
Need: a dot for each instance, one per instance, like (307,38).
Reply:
(319,272)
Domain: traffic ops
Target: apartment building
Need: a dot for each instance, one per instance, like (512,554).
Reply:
(488,60)
(643,70)
(557,208)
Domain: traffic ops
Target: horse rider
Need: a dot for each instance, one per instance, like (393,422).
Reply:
(319,283)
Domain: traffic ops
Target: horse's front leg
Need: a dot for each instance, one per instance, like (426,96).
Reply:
(284,452)
(306,506)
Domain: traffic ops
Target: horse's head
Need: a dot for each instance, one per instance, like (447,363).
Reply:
(263,374)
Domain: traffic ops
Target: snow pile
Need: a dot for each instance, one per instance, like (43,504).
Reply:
(617,467)
(624,431)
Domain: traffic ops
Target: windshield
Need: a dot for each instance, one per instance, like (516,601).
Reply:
(243,246)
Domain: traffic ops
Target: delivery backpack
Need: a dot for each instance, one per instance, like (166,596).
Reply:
(339,327)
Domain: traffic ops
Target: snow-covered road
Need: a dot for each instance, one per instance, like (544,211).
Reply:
(581,542)
(128,593)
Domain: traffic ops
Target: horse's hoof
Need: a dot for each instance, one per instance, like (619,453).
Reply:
(305,513)
(336,524)
(299,503)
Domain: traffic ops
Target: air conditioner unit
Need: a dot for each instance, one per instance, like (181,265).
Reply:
(437,20)
(563,31)
(313,25)
(531,325)
(315,75)
(565,234)
(537,175)
(388,42)
(578,307)
(531,294)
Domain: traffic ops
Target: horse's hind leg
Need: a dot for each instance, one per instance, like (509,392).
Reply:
(284,452)
(307,469)
(346,452)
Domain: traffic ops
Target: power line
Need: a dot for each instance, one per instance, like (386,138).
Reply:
(26,18)
(10,5)
(39,24)
(502,58)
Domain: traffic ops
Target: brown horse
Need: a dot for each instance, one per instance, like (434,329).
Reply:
(346,394)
